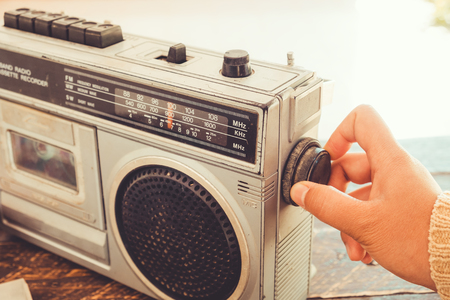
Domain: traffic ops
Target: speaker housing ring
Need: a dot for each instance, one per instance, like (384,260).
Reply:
(161,161)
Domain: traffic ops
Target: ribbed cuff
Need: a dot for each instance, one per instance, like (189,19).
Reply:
(439,245)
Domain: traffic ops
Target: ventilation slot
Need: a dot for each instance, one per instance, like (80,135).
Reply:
(293,263)
(256,193)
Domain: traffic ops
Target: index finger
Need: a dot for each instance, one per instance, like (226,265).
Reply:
(366,127)
(351,167)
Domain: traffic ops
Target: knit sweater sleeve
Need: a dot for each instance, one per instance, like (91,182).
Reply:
(439,245)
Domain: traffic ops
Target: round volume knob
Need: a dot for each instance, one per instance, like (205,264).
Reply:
(307,162)
(236,63)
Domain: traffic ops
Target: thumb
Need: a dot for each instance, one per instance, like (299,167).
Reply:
(329,205)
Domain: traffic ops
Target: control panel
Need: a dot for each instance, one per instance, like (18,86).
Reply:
(64,27)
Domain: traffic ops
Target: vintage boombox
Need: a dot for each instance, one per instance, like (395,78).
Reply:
(164,167)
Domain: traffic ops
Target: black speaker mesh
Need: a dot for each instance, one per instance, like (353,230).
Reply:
(177,234)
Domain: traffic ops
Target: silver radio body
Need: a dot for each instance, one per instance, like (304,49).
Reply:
(85,131)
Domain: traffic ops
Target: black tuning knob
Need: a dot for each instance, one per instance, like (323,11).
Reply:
(236,63)
(307,162)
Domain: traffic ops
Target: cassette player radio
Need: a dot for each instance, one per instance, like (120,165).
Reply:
(164,167)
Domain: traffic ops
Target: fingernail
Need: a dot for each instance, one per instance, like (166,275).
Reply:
(298,193)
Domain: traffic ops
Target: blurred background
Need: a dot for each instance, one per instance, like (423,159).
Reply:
(391,54)
(386,53)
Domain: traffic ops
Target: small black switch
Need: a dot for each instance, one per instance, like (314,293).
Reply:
(77,31)
(11,18)
(103,35)
(26,20)
(60,28)
(177,54)
(43,24)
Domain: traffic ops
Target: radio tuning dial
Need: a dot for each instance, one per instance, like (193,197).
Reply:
(236,64)
(307,162)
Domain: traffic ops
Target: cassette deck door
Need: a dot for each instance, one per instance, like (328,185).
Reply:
(51,162)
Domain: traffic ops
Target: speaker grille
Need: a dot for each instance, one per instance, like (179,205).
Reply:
(177,234)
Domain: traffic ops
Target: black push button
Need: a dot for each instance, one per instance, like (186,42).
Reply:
(43,24)
(77,31)
(26,20)
(177,54)
(74,29)
(60,28)
(103,35)
(11,18)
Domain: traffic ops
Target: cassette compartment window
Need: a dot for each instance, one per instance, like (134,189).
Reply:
(44,160)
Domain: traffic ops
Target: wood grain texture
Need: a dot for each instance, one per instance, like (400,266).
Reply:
(51,277)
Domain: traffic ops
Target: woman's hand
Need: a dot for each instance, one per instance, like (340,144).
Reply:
(388,219)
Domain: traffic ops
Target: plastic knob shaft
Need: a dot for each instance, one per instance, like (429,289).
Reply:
(177,54)
(236,64)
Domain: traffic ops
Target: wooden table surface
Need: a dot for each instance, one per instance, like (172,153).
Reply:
(51,277)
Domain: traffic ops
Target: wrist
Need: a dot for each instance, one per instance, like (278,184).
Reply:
(439,244)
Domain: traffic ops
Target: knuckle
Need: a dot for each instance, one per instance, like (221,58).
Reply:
(314,198)
(368,226)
